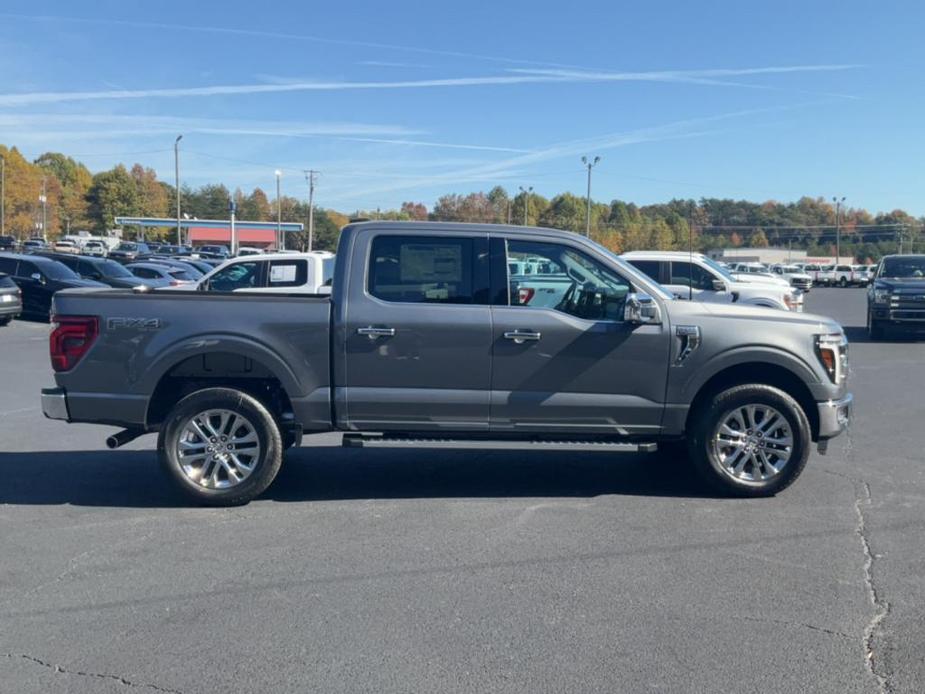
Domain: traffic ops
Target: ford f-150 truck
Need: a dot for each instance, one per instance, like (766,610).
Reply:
(426,339)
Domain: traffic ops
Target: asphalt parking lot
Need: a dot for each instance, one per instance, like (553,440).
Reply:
(426,571)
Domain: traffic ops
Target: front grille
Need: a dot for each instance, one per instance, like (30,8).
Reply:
(907,307)
(802,284)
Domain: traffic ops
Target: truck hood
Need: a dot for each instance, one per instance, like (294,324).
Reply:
(749,278)
(909,285)
(739,312)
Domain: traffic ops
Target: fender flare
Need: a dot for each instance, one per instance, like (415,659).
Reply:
(198,345)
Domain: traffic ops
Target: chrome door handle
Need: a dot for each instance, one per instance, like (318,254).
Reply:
(375,333)
(521,336)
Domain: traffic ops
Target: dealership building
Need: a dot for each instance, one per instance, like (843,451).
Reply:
(200,232)
(772,256)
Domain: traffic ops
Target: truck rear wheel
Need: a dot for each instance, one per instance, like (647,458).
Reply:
(220,446)
(750,440)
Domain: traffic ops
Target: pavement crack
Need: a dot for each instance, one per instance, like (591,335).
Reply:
(97,675)
(803,625)
(881,606)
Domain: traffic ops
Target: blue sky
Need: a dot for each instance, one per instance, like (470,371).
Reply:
(397,101)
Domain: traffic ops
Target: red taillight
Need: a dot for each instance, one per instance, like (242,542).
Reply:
(525,294)
(70,340)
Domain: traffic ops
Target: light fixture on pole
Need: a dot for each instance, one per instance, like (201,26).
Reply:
(279,215)
(838,204)
(176,172)
(527,192)
(590,165)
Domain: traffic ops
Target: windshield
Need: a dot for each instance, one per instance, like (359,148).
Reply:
(713,265)
(791,269)
(904,267)
(110,268)
(126,247)
(58,271)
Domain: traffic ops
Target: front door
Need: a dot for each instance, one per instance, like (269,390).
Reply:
(416,333)
(564,359)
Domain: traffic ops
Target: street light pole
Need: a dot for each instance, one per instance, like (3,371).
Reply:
(590,165)
(232,208)
(176,171)
(279,215)
(2,195)
(838,204)
(527,192)
(310,176)
(44,199)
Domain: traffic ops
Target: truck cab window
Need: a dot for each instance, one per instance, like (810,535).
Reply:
(683,272)
(549,275)
(422,270)
(287,273)
(236,276)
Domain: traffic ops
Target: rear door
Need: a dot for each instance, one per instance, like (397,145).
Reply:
(575,366)
(415,330)
(36,288)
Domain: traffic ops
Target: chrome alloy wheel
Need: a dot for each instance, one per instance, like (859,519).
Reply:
(752,443)
(218,449)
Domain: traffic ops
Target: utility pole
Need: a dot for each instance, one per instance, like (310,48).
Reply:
(232,208)
(590,165)
(279,215)
(838,204)
(900,234)
(44,200)
(527,192)
(310,175)
(2,195)
(176,174)
(509,211)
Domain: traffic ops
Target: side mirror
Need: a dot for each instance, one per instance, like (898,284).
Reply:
(641,309)
(38,277)
(719,286)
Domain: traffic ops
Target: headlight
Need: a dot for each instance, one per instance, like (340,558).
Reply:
(881,296)
(832,351)
(792,300)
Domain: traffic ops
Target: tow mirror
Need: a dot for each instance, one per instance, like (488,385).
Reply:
(719,286)
(641,309)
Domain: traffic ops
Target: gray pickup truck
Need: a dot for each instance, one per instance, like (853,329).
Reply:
(428,338)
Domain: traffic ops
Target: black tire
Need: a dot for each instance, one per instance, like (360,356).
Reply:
(708,418)
(5,320)
(876,329)
(843,282)
(265,467)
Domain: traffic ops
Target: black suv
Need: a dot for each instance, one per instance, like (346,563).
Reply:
(128,251)
(896,296)
(108,272)
(7,243)
(39,278)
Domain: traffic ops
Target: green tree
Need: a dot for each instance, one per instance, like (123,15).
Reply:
(112,194)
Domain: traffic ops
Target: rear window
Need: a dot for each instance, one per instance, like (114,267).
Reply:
(287,273)
(421,269)
(649,267)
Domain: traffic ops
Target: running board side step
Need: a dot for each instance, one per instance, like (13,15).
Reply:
(374,441)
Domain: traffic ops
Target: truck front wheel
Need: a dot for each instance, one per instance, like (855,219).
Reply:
(750,440)
(220,446)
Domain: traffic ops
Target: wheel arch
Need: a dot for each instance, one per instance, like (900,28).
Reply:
(759,373)
(220,365)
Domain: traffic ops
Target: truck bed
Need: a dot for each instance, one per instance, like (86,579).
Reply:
(144,337)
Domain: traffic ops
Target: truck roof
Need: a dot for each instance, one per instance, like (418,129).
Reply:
(460,227)
(661,254)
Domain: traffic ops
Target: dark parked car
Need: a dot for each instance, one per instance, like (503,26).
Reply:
(7,243)
(896,296)
(108,272)
(194,272)
(128,251)
(200,265)
(10,299)
(39,278)
(214,252)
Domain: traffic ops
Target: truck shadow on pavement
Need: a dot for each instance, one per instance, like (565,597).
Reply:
(857,334)
(324,473)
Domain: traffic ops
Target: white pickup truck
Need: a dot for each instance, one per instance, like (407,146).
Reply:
(793,274)
(700,278)
(272,273)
